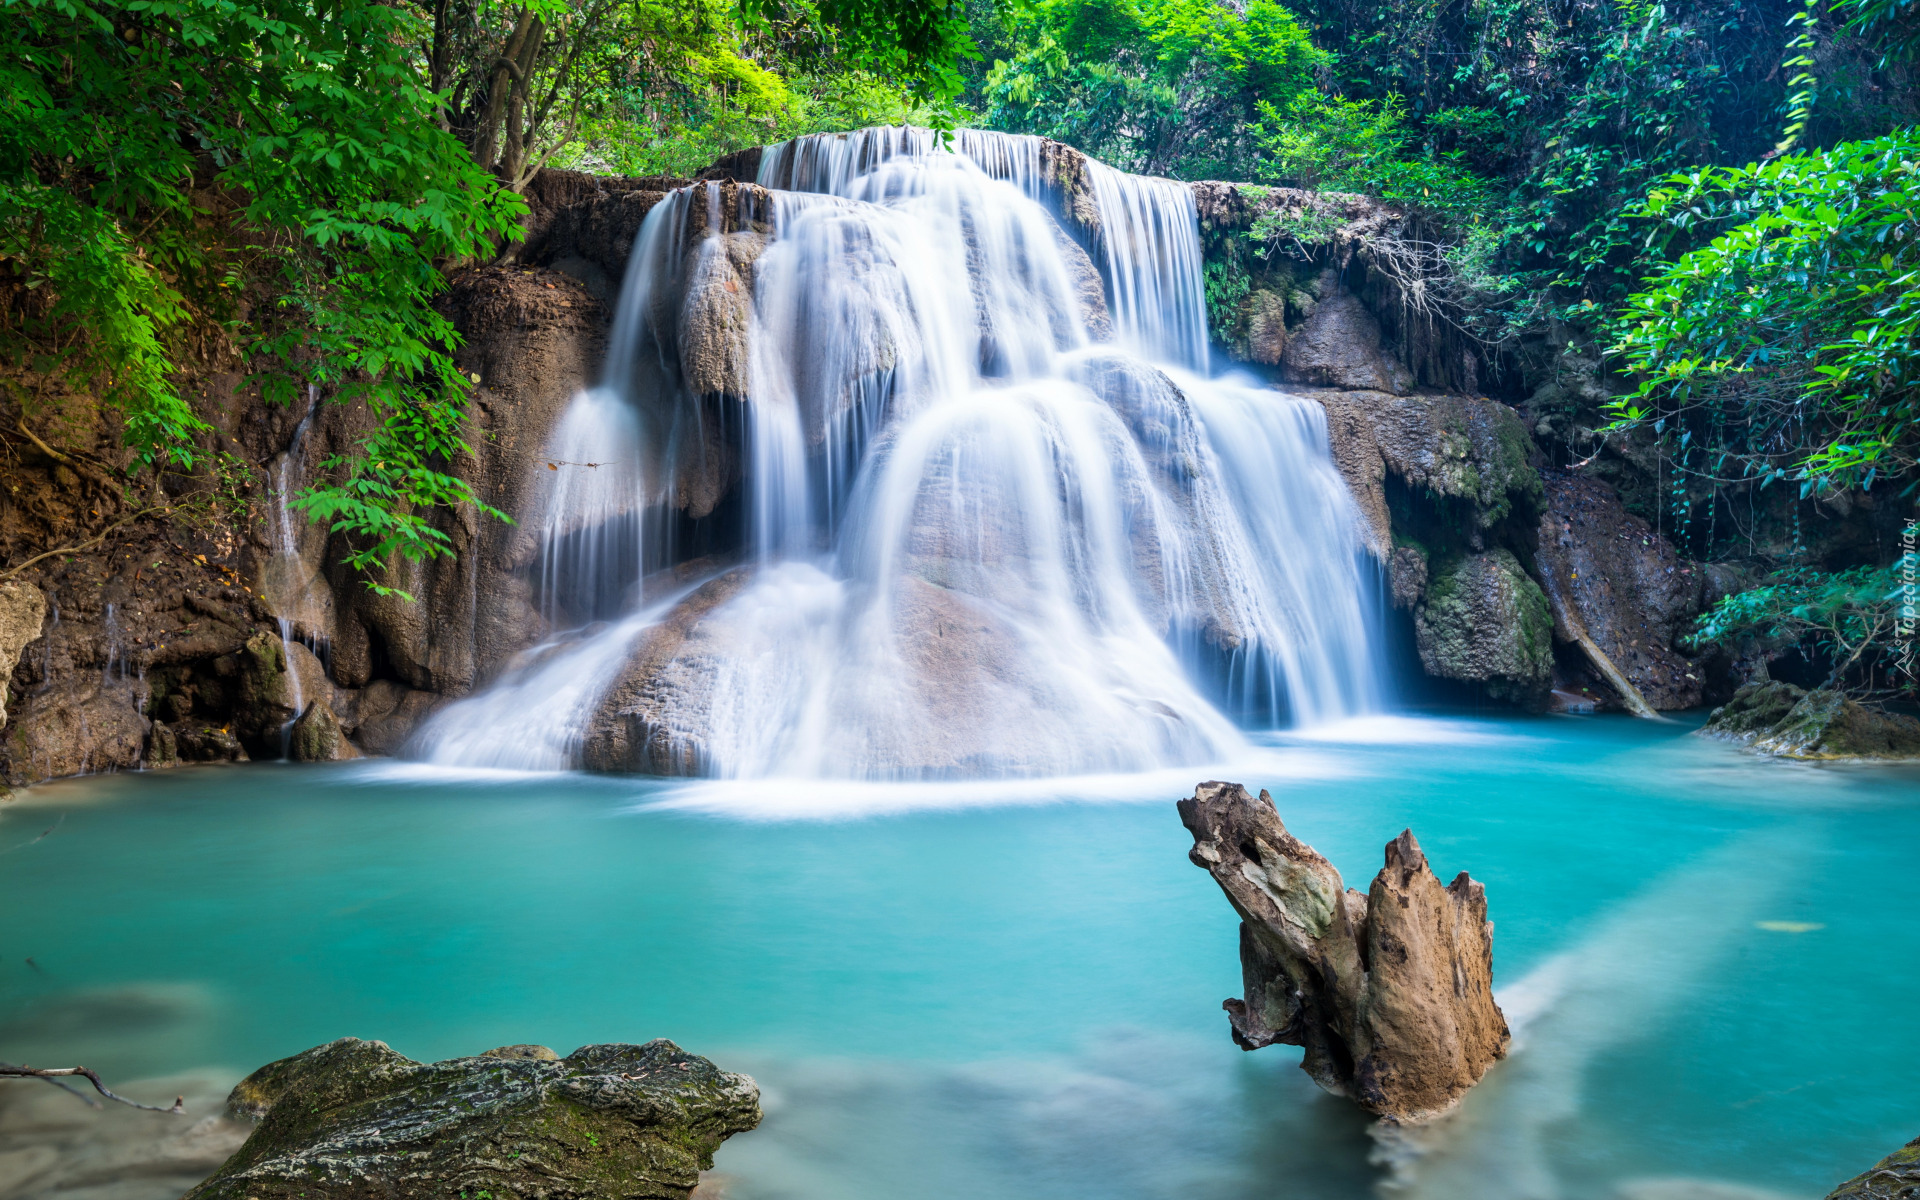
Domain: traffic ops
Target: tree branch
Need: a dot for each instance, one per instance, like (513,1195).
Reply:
(51,1074)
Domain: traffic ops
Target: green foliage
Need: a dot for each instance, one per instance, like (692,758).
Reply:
(267,146)
(712,124)
(104,312)
(1850,616)
(915,40)
(1367,146)
(1792,340)
(1168,87)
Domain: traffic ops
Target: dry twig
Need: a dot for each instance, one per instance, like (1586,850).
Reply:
(53,1074)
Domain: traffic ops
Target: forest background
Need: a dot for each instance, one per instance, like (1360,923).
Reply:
(1708,205)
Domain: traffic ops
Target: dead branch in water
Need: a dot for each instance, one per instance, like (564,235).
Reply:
(54,1074)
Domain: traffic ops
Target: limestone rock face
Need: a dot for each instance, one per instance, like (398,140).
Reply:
(1485,622)
(1089,290)
(353,1119)
(1406,576)
(23,611)
(1470,454)
(1390,993)
(1895,1177)
(1781,719)
(1624,584)
(583,225)
(85,726)
(717,312)
(1340,346)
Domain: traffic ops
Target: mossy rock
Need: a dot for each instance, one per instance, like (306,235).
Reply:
(1895,1177)
(353,1120)
(1483,621)
(1826,724)
(1781,719)
(1753,711)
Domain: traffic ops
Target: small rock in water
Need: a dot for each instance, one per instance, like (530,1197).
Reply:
(353,1120)
(537,1053)
(1390,993)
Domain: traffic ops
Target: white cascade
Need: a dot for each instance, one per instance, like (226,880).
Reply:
(981,542)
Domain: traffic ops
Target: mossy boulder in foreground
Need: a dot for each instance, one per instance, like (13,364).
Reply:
(353,1120)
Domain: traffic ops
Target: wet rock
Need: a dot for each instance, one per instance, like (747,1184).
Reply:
(1070,189)
(1407,576)
(353,1119)
(23,612)
(653,718)
(1265,316)
(583,225)
(742,166)
(1753,711)
(1612,575)
(1469,458)
(716,314)
(1780,719)
(1089,290)
(317,736)
(1390,993)
(1484,621)
(1340,346)
(533,339)
(276,679)
(193,742)
(384,715)
(1895,1177)
(84,726)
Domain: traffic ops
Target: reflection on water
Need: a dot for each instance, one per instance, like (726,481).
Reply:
(1012,992)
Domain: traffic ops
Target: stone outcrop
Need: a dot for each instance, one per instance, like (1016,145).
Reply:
(23,614)
(1610,576)
(1339,345)
(1895,1177)
(1469,457)
(1275,245)
(1484,621)
(353,1120)
(1389,993)
(583,225)
(651,719)
(1775,717)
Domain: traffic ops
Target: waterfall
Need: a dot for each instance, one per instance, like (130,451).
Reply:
(980,541)
(290,584)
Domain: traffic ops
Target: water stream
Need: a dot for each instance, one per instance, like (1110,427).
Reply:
(982,543)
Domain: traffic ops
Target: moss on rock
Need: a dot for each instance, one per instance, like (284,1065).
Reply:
(1780,719)
(1895,1177)
(353,1120)
(1485,622)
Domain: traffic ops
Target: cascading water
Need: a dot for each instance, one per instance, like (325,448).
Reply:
(980,542)
(289,581)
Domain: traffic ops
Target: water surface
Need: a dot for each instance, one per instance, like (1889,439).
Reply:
(1012,992)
